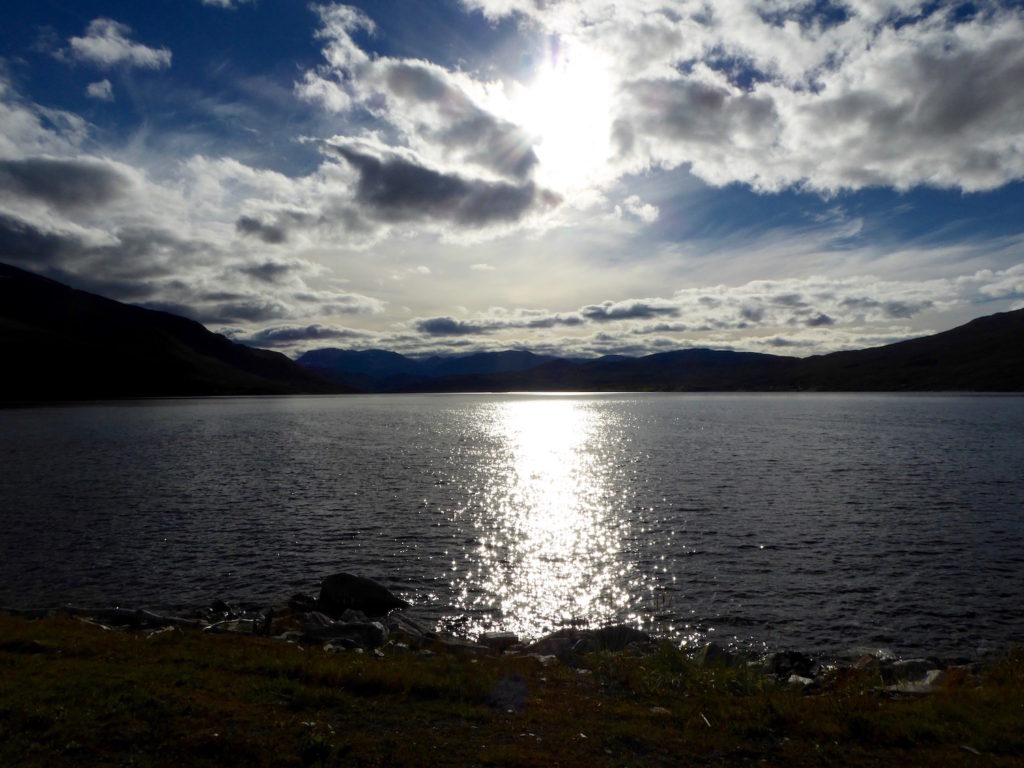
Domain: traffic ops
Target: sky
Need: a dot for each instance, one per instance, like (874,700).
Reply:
(575,178)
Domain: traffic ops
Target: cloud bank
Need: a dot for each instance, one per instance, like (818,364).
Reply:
(813,95)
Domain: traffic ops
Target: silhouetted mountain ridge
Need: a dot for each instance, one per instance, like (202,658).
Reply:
(379,370)
(58,343)
(985,355)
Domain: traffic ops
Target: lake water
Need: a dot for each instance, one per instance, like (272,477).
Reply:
(826,523)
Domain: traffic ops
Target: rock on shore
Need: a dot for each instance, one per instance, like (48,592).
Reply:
(344,591)
(357,613)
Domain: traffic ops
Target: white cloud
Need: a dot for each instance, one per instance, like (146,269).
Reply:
(203,240)
(646,212)
(777,94)
(28,129)
(106,43)
(338,23)
(793,316)
(329,93)
(101,89)
(438,114)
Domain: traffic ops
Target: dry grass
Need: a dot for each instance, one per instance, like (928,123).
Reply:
(72,694)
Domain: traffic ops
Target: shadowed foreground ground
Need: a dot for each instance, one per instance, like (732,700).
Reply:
(75,694)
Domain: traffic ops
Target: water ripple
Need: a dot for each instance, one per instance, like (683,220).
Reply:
(819,522)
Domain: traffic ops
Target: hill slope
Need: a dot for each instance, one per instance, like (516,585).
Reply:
(59,343)
(985,355)
(377,370)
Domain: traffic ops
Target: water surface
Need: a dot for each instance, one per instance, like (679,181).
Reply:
(821,522)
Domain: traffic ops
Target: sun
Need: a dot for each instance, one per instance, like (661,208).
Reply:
(567,111)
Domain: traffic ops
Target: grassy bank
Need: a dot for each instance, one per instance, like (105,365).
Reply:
(74,694)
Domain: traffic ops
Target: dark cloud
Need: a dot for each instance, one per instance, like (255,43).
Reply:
(904,309)
(125,271)
(859,303)
(269,271)
(221,295)
(449,326)
(969,88)
(632,310)
(148,251)
(481,137)
(396,189)
(57,254)
(754,314)
(778,341)
(789,300)
(550,321)
(531,319)
(694,112)
(660,328)
(131,258)
(893,309)
(23,243)
(64,184)
(251,309)
(819,320)
(268,233)
(283,336)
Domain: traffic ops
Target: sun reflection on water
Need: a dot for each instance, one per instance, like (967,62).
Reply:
(550,541)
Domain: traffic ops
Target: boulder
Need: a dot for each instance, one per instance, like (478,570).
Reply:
(371,634)
(713,655)
(619,637)
(317,619)
(558,644)
(783,664)
(410,631)
(343,591)
(300,603)
(586,644)
(499,641)
(458,645)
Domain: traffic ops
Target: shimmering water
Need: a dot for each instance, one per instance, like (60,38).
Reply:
(819,522)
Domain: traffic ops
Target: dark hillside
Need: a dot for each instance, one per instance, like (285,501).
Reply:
(984,355)
(58,343)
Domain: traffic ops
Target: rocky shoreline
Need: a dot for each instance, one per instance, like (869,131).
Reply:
(355,614)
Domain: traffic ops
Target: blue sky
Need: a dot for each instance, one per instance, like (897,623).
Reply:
(579,178)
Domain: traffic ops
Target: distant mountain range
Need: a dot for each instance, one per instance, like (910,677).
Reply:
(985,355)
(57,343)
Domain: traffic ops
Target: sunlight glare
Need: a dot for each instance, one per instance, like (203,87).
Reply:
(552,557)
(568,109)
